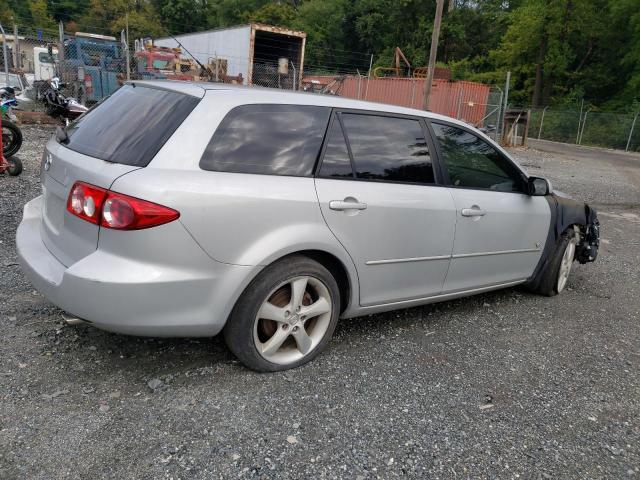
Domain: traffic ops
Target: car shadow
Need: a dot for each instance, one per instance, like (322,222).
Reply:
(92,351)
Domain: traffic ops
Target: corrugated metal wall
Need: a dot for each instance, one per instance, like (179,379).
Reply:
(464,100)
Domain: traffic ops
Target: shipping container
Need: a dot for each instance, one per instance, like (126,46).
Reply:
(264,55)
(467,101)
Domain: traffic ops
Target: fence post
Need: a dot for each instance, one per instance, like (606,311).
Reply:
(16,48)
(295,75)
(366,91)
(4,54)
(631,132)
(413,91)
(61,49)
(584,122)
(124,43)
(459,104)
(544,110)
(579,120)
(499,107)
(506,102)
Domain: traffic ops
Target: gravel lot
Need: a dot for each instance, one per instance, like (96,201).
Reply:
(501,385)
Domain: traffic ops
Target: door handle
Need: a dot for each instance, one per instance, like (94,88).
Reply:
(474,211)
(347,205)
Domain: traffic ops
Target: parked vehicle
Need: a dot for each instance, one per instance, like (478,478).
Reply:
(181,209)
(91,66)
(11,133)
(44,63)
(59,106)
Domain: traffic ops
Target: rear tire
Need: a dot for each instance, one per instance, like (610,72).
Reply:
(555,276)
(15,167)
(11,139)
(285,317)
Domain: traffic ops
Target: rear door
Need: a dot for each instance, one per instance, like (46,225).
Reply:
(378,195)
(118,136)
(500,230)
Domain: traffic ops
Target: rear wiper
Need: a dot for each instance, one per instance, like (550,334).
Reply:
(61,135)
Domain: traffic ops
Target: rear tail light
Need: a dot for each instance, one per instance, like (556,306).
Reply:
(115,210)
(85,201)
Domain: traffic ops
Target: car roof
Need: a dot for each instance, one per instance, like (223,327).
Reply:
(271,95)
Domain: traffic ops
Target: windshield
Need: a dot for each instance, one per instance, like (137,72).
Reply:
(44,57)
(160,64)
(14,81)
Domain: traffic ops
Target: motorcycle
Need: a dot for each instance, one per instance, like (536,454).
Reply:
(11,133)
(58,105)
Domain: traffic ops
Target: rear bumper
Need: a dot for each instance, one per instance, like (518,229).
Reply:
(187,294)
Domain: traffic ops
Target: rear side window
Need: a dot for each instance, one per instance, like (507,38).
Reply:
(388,148)
(336,162)
(131,125)
(267,139)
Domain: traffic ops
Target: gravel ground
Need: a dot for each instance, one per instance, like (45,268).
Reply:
(501,385)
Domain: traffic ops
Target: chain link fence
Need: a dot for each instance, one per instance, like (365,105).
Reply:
(271,76)
(619,131)
(93,66)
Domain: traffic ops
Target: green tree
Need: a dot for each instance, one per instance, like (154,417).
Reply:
(278,14)
(6,13)
(40,15)
(110,17)
(180,16)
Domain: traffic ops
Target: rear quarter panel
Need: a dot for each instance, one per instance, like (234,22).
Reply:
(239,219)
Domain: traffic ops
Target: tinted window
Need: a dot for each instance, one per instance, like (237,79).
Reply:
(131,125)
(335,162)
(388,148)
(267,139)
(473,163)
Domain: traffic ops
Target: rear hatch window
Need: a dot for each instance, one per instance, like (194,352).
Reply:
(131,125)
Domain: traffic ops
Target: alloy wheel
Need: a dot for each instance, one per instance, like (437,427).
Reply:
(565,264)
(292,320)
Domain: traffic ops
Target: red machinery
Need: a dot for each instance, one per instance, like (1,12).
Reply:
(13,166)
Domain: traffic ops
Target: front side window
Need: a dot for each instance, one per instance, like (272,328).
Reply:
(472,163)
(388,148)
(267,139)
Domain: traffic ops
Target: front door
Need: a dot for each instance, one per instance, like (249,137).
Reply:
(500,230)
(379,198)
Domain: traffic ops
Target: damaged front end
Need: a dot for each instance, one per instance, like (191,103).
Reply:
(587,249)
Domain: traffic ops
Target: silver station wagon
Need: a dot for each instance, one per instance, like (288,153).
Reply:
(184,209)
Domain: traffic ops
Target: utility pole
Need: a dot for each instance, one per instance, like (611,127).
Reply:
(433,53)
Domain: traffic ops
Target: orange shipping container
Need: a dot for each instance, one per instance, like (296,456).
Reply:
(464,100)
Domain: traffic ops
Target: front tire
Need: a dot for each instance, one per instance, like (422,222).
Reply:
(556,274)
(285,317)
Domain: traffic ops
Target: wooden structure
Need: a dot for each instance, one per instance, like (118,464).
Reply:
(515,125)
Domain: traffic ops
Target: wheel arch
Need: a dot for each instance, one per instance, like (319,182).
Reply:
(566,213)
(336,268)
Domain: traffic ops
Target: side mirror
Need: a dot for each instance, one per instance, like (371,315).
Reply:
(539,187)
